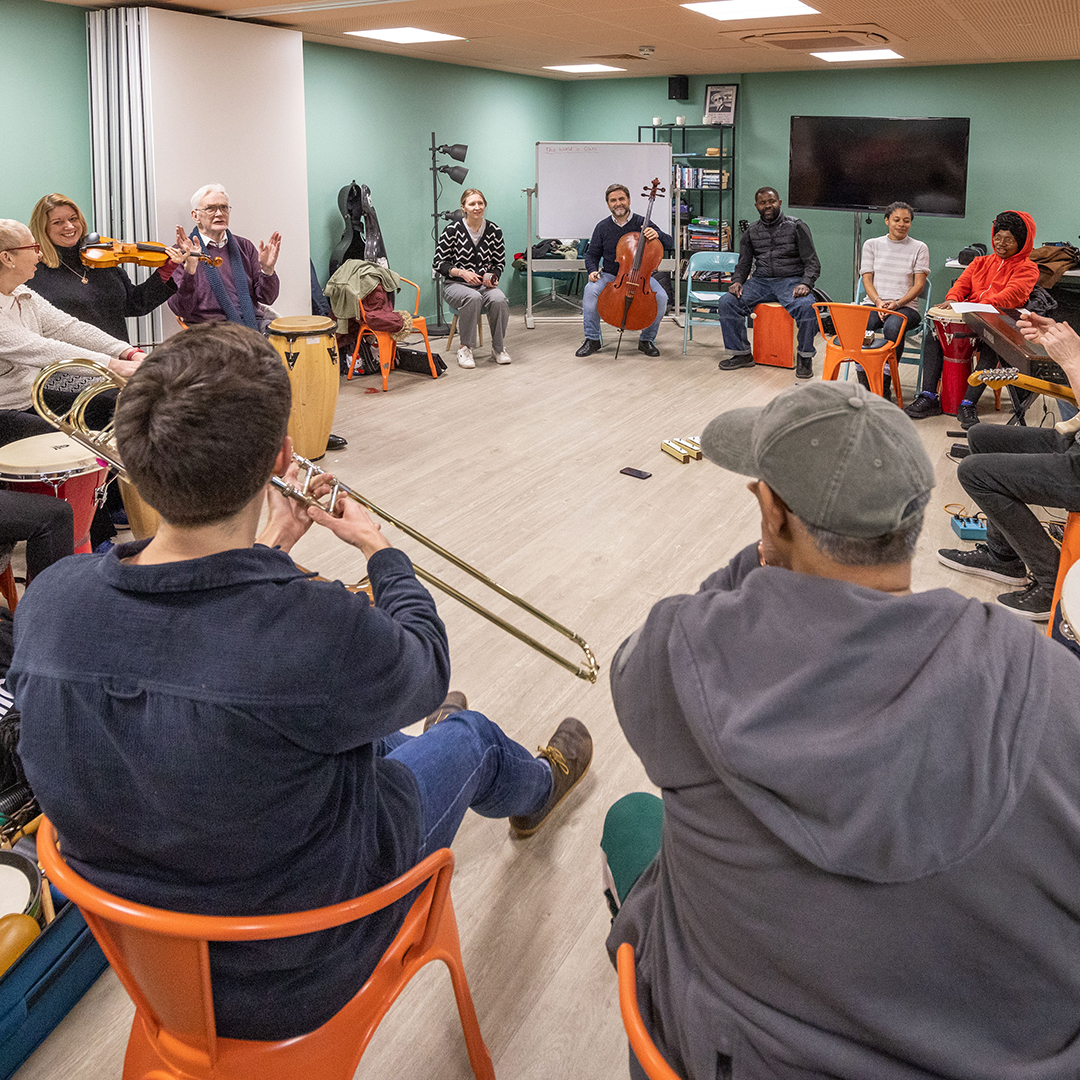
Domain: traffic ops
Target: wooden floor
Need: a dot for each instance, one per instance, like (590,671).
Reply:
(517,470)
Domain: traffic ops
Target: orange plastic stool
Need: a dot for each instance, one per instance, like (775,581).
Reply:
(775,334)
(163,960)
(649,1058)
(1070,552)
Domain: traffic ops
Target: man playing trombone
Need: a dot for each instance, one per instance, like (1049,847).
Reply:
(228,740)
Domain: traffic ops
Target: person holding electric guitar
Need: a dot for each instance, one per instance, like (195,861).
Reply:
(1011,468)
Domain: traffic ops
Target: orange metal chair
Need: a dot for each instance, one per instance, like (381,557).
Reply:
(850,321)
(1070,553)
(162,958)
(386,344)
(649,1058)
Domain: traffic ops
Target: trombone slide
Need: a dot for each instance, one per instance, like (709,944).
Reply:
(588,671)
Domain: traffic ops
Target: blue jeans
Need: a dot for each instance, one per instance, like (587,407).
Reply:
(892,326)
(467,761)
(591,294)
(733,311)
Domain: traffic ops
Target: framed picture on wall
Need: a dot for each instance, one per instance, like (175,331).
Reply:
(720,104)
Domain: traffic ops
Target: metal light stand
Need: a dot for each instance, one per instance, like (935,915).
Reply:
(440,328)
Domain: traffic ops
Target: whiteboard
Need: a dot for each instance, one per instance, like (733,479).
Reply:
(571,178)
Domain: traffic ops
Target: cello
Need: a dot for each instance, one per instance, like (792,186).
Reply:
(629,302)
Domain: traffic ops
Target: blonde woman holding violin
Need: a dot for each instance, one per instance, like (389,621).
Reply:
(101,296)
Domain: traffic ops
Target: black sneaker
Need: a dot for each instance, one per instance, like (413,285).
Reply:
(588,347)
(568,753)
(739,360)
(804,367)
(923,406)
(967,414)
(454,702)
(1033,603)
(982,562)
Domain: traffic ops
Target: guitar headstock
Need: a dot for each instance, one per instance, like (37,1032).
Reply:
(995,378)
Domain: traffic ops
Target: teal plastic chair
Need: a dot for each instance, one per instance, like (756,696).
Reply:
(704,262)
(916,334)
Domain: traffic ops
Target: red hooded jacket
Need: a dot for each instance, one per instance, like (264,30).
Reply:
(1005,283)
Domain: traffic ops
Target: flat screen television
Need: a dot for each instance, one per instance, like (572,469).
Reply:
(866,162)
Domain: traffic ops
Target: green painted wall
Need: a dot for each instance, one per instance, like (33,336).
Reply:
(1022,154)
(370,118)
(46,115)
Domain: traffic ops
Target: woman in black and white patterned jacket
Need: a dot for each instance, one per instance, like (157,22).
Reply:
(471,257)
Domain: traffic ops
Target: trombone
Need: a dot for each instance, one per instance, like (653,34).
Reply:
(309,471)
(103,444)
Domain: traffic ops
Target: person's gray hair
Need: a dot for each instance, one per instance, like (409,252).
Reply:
(11,233)
(203,192)
(887,550)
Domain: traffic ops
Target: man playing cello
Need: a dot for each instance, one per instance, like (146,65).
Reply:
(602,266)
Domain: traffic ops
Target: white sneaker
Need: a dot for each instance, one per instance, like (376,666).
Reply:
(500,357)
(464,357)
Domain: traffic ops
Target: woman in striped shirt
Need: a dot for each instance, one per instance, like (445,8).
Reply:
(471,257)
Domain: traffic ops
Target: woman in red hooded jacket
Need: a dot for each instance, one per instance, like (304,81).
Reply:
(1005,280)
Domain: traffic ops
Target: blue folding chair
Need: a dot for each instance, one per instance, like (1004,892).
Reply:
(705,262)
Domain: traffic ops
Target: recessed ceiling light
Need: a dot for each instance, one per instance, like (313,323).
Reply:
(752,9)
(858,54)
(581,69)
(404,35)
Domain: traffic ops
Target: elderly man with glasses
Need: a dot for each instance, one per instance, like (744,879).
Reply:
(245,280)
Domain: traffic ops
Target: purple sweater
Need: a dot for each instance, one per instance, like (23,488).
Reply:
(194,301)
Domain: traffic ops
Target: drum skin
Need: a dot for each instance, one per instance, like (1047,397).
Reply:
(53,464)
(308,349)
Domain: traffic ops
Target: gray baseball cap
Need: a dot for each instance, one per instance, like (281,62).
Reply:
(841,458)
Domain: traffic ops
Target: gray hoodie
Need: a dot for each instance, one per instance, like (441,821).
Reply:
(870,865)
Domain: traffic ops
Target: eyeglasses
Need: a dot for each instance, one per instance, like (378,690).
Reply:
(212,210)
(26,247)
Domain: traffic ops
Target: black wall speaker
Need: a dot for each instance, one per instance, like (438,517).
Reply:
(678,88)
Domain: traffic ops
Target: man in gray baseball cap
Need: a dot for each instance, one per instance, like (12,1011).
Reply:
(864,863)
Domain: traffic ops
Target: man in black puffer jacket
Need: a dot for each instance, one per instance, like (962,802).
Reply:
(786,266)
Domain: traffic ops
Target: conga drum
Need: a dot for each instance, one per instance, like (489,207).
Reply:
(142,517)
(56,465)
(958,348)
(308,349)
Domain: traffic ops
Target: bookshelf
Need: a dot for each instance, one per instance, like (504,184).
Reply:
(702,188)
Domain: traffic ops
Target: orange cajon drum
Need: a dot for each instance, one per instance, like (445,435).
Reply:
(774,336)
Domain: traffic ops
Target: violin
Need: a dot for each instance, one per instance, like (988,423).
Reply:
(629,302)
(100,252)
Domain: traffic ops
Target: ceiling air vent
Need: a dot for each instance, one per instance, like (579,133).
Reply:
(817,40)
(617,56)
